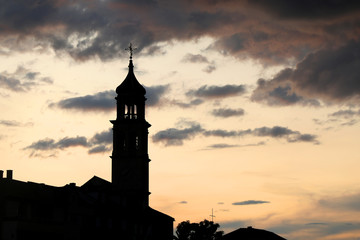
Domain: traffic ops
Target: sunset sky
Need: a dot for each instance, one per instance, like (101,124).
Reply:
(254,105)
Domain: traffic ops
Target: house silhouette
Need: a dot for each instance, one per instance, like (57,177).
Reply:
(98,209)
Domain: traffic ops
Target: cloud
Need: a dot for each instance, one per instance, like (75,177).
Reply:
(100,143)
(195,58)
(224,145)
(104,137)
(250,202)
(192,103)
(12,123)
(102,29)
(22,80)
(105,101)
(154,94)
(50,144)
(99,149)
(101,101)
(217,91)
(183,202)
(227,112)
(307,9)
(175,137)
(345,113)
(329,75)
(209,68)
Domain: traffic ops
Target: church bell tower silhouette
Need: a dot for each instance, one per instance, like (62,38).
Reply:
(130,159)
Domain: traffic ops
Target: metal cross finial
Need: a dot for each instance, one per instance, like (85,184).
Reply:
(130,49)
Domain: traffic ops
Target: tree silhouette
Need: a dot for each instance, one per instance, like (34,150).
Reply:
(205,230)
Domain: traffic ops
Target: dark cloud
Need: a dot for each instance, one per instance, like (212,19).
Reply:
(175,137)
(101,101)
(50,144)
(102,29)
(217,91)
(307,9)
(154,94)
(100,143)
(104,137)
(345,113)
(227,112)
(190,104)
(226,133)
(99,149)
(10,123)
(222,145)
(105,101)
(183,202)
(250,202)
(209,68)
(195,58)
(22,80)
(330,75)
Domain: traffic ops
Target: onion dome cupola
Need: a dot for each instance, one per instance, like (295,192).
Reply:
(130,97)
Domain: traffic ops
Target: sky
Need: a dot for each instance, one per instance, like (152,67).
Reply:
(254,105)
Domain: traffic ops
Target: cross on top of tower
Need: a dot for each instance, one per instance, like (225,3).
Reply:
(130,49)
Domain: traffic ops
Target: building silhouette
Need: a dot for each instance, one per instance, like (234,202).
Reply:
(98,209)
(251,233)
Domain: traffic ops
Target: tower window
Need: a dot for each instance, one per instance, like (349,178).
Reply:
(137,142)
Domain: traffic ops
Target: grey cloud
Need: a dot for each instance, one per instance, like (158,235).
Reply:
(10,123)
(50,144)
(101,101)
(154,94)
(345,113)
(330,75)
(225,133)
(99,149)
(273,132)
(195,58)
(22,80)
(250,202)
(105,101)
(99,143)
(307,9)
(209,68)
(222,145)
(227,112)
(85,29)
(183,202)
(190,104)
(217,91)
(175,137)
(104,137)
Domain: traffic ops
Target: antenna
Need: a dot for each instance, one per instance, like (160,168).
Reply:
(212,215)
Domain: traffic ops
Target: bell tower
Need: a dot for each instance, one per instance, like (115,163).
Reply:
(130,160)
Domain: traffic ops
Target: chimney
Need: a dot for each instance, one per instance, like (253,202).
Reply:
(1,174)
(9,174)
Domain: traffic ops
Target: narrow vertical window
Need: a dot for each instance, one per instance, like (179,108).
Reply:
(126,111)
(135,111)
